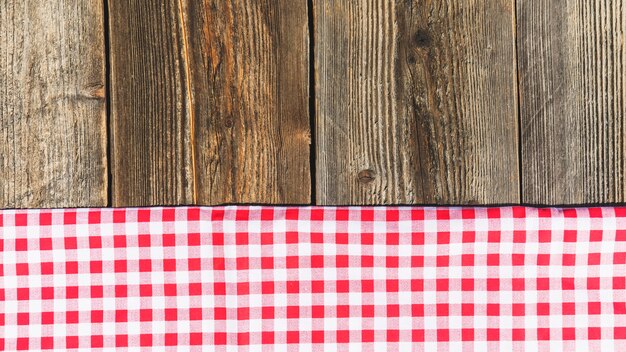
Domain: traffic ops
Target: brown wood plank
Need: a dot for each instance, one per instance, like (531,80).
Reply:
(249,69)
(416,102)
(572,87)
(150,104)
(210,102)
(52,104)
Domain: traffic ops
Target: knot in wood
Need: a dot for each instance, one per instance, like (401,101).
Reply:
(229,122)
(366,176)
(422,38)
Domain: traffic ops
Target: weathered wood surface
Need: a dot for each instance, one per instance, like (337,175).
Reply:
(249,77)
(151,149)
(572,87)
(209,102)
(416,102)
(52,104)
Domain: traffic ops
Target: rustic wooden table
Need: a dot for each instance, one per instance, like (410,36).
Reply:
(119,102)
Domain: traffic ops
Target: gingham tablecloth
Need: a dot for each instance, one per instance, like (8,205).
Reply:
(302,278)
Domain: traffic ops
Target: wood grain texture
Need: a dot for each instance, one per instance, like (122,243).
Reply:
(151,157)
(52,104)
(209,102)
(249,78)
(416,102)
(572,88)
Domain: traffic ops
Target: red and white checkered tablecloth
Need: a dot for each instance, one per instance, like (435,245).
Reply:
(308,278)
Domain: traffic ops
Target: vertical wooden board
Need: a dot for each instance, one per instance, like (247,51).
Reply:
(210,102)
(52,104)
(151,157)
(416,102)
(571,70)
(249,77)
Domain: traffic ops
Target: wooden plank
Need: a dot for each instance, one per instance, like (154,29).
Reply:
(572,87)
(210,102)
(249,68)
(151,157)
(416,102)
(52,104)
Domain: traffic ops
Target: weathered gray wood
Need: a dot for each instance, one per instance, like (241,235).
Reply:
(209,102)
(52,104)
(416,102)
(572,61)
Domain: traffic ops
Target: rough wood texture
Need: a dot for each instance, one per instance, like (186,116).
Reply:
(416,102)
(150,104)
(572,87)
(249,70)
(52,104)
(210,102)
